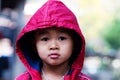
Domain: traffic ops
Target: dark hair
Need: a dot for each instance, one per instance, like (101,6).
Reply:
(77,41)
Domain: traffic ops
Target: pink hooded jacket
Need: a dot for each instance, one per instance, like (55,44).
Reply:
(52,13)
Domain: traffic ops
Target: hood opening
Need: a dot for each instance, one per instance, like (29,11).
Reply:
(27,46)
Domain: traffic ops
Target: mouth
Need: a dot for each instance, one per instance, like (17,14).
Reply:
(54,55)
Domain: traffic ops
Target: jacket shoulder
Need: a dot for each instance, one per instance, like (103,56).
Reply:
(83,77)
(24,76)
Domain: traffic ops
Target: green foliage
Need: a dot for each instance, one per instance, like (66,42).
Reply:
(112,34)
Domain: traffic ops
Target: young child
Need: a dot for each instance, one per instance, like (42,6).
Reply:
(51,46)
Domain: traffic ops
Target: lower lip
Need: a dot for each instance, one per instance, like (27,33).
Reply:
(54,56)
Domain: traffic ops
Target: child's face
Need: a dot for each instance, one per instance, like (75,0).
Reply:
(54,46)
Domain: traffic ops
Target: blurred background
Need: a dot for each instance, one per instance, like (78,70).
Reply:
(100,24)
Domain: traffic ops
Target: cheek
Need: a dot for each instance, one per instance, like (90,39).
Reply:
(40,49)
(67,49)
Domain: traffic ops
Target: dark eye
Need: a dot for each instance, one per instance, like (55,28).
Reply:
(45,39)
(62,38)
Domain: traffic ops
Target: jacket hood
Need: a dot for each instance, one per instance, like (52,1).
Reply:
(52,13)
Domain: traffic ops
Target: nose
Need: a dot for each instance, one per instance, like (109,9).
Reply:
(54,45)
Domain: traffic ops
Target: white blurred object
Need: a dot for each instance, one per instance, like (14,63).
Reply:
(116,63)
(5,47)
(92,64)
